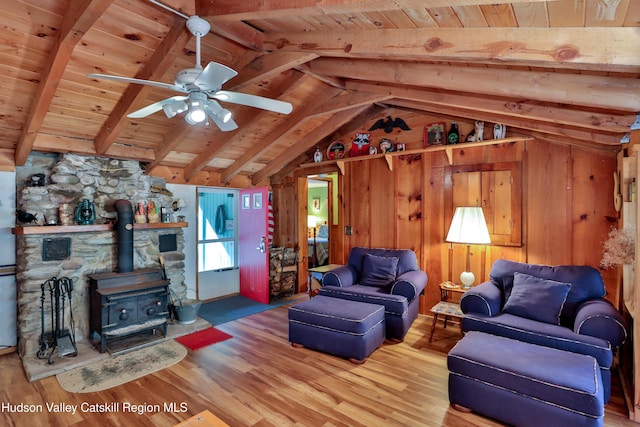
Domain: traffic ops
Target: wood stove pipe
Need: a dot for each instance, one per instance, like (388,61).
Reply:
(124,227)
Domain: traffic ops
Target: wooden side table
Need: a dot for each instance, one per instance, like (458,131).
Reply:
(446,307)
(322,270)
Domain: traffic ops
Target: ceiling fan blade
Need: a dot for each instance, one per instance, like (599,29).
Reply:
(155,107)
(138,81)
(253,101)
(214,76)
(227,126)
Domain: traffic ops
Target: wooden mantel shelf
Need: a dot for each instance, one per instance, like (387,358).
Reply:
(448,149)
(59,229)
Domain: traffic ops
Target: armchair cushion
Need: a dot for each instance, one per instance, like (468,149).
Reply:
(379,271)
(537,299)
(586,281)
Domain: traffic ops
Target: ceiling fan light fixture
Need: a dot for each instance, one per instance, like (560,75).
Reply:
(196,112)
(171,110)
(225,115)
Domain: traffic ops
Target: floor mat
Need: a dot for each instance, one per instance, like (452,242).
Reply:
(203,338)
(235,307)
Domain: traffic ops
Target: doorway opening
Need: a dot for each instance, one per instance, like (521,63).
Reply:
(218,266)
(319,220)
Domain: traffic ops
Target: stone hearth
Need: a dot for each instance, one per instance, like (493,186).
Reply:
(68,180)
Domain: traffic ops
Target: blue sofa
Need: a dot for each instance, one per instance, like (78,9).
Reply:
(388,277)
(561,307)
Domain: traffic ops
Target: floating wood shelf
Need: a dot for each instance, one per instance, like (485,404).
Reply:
(448,149)
(94,228)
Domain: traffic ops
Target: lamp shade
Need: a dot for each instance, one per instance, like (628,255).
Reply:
(312,221)
(469,226)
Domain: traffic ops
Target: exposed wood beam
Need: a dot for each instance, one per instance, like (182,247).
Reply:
(547,47)
(212,150)
(240,33)
(347,100)
(615,93)
(329,104)
(355,124)
(62,144)
(78,19)
(588,136)
(612,122)
(257,9)
(334,122)
(328,80)
(578,143)
(154,69)
(170,141)
(269,65)
(294,120)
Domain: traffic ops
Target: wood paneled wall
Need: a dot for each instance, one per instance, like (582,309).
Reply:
(567,208)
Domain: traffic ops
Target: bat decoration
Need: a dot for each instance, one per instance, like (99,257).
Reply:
(388,124)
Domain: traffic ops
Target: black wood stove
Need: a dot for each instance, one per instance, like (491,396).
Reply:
(128,305)
(127,308)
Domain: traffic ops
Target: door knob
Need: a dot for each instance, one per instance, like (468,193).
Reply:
(263,245)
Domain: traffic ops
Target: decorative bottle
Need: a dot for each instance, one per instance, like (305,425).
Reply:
(453,137)
(317,156)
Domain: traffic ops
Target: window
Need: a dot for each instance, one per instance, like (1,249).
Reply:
(217,237)
(496,187)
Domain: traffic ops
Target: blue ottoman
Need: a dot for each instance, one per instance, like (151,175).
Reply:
(524,384)
(344,328)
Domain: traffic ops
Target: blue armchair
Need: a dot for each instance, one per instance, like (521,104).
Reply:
(389,277)
(562,307)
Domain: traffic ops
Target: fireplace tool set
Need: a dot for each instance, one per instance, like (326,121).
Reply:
(59,337)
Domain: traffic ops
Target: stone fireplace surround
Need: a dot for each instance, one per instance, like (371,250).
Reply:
(69,179)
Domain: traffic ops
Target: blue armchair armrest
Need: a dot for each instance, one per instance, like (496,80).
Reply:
(410,284)
(342,276)
(600,319)
(485,299)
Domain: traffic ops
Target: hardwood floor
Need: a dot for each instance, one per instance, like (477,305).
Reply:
(258,379)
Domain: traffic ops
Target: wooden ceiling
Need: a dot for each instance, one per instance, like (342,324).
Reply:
(566,71)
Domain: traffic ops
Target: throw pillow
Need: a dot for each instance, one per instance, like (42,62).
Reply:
(379,271)
(536,298)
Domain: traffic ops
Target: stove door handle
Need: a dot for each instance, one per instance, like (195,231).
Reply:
(133,294)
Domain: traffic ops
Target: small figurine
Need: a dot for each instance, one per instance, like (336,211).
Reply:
(140,217)
(479,128)
(152,212)
(317,156)
(360,145)
(386,145)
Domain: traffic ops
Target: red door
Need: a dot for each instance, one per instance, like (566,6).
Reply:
(253,250)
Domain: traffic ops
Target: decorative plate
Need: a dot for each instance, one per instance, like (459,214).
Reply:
(335,150)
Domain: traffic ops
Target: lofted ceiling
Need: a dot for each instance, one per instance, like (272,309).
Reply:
(566,71)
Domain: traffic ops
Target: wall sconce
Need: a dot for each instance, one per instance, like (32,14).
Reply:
(178,205)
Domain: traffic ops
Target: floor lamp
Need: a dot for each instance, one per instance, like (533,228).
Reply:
(468,226)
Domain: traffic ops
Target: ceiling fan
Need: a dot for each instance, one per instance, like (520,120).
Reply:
(202,88)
